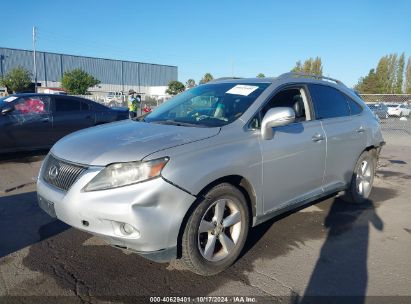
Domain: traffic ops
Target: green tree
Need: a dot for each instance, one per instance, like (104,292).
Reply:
(400,74)
(206,78)
(407,86)
(175,87)
(388,77)
(260,75)
(298,67)
(317,66)
(367,84)
(190,83)
(17,80)
(77,82)
(310,66)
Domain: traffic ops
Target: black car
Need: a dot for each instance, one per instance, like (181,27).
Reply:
(36,121)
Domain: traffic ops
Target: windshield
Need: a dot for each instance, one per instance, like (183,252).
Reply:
(209,105)
(6,101)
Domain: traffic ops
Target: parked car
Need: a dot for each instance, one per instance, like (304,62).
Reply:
(379,109)
(398,110)
(115,99)
(36,121)
(189,184)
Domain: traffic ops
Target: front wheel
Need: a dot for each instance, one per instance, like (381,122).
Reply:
(362,179)
(216,231)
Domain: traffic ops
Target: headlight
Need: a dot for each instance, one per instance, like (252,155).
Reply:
(123,174)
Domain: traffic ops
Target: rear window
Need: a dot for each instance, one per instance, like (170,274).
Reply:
(328,102)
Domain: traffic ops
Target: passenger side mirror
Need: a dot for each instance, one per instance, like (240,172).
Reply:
(276,117)
(7,110)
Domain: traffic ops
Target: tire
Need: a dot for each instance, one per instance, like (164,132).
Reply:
(223,233)
(362,179)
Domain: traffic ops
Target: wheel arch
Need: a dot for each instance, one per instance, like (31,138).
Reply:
(240,183)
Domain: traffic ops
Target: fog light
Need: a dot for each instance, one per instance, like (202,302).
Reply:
(126,228)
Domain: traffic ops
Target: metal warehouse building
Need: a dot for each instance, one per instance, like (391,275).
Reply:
(115,75)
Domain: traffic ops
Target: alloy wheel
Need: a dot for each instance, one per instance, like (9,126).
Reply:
(219,230)
(364,178)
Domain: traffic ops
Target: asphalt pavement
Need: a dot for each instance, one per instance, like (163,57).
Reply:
(330,248)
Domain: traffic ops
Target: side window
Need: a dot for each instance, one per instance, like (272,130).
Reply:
(32,105)
(85,106)
(290,98)
(328,102)
(355,107)
(64,104)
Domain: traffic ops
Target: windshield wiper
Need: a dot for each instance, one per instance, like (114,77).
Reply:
(176,123)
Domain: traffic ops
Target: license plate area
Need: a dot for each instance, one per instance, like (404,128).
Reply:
(47,206)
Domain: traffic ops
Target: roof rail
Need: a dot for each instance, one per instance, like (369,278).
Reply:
(319,77)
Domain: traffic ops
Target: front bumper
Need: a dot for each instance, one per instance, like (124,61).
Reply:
(155,209)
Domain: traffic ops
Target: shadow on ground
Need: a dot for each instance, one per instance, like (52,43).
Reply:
(23,157)
(101,271)
(23,223)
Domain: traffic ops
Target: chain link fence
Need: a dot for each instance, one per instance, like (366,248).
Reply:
(152,101)
(394,112)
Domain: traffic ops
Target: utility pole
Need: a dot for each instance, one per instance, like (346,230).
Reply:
(34,59)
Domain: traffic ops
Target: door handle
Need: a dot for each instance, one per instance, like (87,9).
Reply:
(317,137)
(360,129)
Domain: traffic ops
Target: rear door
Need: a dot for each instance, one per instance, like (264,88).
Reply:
(29,125)
(71,114)
(345,133)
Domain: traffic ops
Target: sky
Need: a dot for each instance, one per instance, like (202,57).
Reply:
(224,38)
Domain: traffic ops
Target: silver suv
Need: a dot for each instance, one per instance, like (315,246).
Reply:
(188,180)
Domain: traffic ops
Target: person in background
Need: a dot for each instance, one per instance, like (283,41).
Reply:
(133,103)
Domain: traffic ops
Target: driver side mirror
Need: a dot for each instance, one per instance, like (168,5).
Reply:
(276,117)
(7,110)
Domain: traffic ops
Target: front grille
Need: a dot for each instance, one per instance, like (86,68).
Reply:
(61,174)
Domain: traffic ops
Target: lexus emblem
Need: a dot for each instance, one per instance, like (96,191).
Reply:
(54,172)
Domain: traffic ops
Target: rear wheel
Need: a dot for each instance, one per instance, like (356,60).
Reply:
(216,231)
(362,179)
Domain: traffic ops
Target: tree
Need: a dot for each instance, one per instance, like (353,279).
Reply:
(400,75)
(260,75)
(206,78)
(407,86)
(17,80)
(77,82)
(175,87)
(310,66)
(298,67)
(387,78)
(190,83)
(367,84)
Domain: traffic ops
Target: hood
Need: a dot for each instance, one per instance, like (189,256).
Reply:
(125,141)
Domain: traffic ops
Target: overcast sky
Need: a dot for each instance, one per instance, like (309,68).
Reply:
(222,37)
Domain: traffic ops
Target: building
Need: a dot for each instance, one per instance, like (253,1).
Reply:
(115,75)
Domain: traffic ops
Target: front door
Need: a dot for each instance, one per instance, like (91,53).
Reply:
(294,159)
